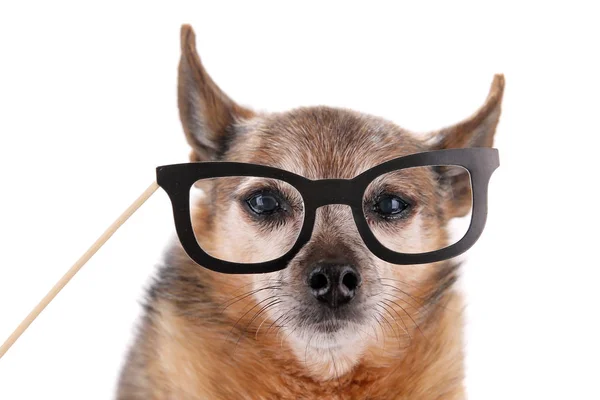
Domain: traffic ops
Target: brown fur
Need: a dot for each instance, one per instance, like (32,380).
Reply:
(206,335)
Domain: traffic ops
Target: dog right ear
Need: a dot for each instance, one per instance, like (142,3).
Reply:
(207,114)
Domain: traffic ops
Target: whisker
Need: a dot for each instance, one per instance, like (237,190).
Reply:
(416,299)
(400,316)
(381,327)
(242,333)
(239,288)
(306,350)
(246,313)
(389,309)
(261,324)
(335,369)
(402,282)
(411,318)
(262,309)
(403,300)
(386,320)
(285,320)
(375,330)
(288,335)
(246,294)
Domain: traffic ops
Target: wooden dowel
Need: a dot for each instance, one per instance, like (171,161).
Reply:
(76,267)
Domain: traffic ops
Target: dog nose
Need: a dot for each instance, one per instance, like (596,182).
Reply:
(334,284)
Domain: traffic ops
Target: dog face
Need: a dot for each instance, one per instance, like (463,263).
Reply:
(335,294)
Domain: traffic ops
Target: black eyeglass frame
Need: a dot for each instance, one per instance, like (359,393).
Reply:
(177,180)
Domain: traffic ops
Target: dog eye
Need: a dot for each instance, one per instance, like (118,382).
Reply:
(263,203)
(389,206)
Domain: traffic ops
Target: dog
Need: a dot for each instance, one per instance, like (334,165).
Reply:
(206,335)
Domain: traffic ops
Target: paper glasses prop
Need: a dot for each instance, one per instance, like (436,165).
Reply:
(296,200)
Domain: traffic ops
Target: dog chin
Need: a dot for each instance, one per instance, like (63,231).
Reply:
(328,354)
(329,335)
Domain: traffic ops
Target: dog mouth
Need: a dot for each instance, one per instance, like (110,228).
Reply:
(324,320)
(329,334)
(331,325)
(317,325)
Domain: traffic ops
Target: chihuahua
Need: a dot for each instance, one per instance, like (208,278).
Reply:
(379,331)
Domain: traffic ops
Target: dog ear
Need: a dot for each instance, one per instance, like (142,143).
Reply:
(476,131)
(207,114)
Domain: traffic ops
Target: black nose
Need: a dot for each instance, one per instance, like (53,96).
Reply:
(334,284)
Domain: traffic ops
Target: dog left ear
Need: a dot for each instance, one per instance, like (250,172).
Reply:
(207,114)
(476,131)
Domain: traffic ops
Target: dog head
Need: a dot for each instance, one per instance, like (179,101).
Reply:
(335,292)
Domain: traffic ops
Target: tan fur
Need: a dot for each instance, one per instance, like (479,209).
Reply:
(189,353)
(206,335)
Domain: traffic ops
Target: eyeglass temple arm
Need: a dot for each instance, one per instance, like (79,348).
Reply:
(76,267)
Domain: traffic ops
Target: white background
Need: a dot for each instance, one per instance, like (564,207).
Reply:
(88,110)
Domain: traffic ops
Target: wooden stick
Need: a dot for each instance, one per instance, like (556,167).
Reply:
(76,267)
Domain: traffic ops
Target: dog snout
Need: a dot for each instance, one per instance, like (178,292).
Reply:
(334,284)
